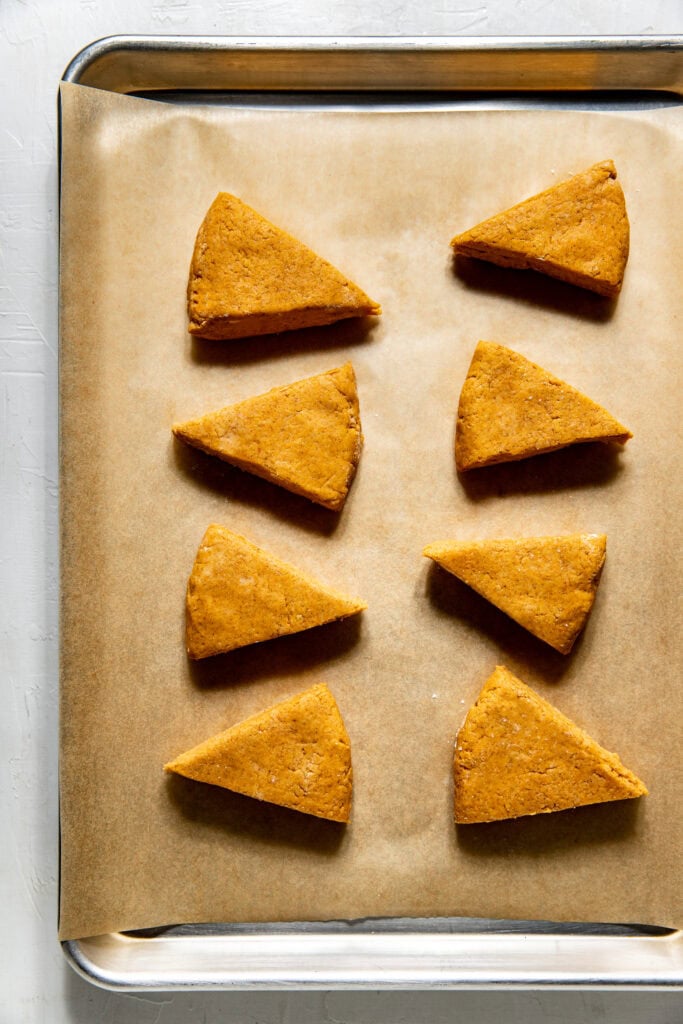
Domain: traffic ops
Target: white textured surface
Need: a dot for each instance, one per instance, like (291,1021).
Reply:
(37,40)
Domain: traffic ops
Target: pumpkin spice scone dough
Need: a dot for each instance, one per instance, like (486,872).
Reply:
(239,594)
(512,409)
(517,755)
(304,436)
(249,277)
(296,754)
(546,584)
(576,231)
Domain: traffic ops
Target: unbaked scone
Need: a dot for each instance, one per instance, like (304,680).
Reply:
(296,754)
(546,584)
(304,436)
(576,231)
(239,594)
(249,277)
(516,755)
(511,409)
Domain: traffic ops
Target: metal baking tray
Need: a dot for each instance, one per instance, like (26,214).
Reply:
(592,73)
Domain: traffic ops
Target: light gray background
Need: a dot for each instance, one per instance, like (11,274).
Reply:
(37,40)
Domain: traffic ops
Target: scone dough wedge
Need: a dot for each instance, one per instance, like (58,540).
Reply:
(249,277)
(304,436)
(576,231)
(546,584)
(517,755)
(512,409)
(239,594)
(296,754)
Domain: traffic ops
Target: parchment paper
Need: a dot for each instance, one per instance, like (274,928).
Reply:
(380,195)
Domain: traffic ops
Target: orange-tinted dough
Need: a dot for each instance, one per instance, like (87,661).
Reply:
(296,754)
(238,594)
(546,584)
(511,409)
(577,231)
(304,436)
(249,277)
(517,755)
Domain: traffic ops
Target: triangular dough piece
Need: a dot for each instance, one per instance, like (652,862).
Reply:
(546,584)
(511,409)
(249,277)
(576,231)
(516,755)
(296,754)
(238,594)
(304,436)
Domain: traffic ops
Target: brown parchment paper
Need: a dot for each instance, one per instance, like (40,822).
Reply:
(380,195)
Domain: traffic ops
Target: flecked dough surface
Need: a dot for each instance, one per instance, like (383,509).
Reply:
(249,277)
(516,755)
(296,754)
(546,584)
(304,436)
(511,409)
(239,594)
(577,231)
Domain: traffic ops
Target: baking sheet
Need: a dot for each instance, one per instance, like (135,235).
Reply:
(379,195)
